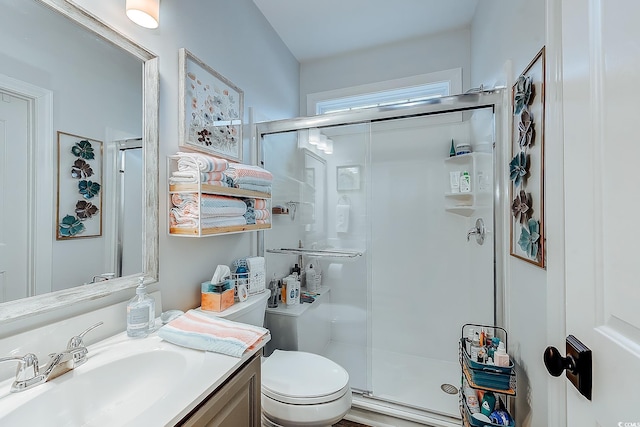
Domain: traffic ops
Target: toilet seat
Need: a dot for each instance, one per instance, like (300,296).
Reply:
(301,378)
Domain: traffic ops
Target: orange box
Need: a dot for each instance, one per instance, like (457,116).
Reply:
(217,301)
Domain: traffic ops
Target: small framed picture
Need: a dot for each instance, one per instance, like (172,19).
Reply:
(348,178)
(79,201)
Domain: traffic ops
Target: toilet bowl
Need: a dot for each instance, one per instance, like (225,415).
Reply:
(303,389)
(298,388)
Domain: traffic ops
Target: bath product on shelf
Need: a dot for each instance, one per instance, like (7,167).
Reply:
(463,148)
(468,341)
(500,357)
(471,397)
(293,290)
(313,284)
(454,181)
(465,182)
(475,347)
(273,293)
(488,404)
(140,310)
(452,150)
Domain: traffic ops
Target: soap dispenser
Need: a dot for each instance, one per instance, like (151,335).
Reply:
(140,313)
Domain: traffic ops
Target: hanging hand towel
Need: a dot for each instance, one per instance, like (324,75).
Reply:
(342,218)
(202,332)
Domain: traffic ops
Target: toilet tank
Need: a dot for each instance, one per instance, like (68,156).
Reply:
(250,311)
(303,327)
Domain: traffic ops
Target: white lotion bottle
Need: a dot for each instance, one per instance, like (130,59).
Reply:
(139,311)
(500,357)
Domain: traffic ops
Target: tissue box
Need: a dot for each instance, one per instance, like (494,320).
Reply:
(216,301)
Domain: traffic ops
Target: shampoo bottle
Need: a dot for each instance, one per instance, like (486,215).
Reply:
(500,357)
(139,312)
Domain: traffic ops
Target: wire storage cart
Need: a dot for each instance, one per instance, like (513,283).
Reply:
(481,377)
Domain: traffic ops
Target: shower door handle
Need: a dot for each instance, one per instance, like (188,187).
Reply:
(479,231)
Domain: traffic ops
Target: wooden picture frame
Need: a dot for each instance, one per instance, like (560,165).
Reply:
(526,167)
(211,110)
(79,194)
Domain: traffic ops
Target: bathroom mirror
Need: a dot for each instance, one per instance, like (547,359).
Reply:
(45,95)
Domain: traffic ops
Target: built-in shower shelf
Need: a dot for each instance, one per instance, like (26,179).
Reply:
(462,210)
(479,167)
(319,253)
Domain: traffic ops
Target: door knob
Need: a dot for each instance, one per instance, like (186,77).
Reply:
(577,364)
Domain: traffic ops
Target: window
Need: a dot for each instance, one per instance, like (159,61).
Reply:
(400,96)
(392,92)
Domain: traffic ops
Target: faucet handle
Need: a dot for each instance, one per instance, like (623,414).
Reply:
(26,373)
(76,341)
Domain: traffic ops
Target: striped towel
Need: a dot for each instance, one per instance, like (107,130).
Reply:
(261,213)
(208,205)
(248,174)
(198,330)
(200,162)
(191,177)
(254,187)
(178,220)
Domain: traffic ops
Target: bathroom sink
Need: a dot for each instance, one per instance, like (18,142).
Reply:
(125,382)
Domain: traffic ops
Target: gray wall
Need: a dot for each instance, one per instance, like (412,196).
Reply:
(393,61)
(235,39)
(514,31)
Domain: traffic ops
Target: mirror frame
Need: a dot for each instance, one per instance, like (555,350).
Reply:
(20,309)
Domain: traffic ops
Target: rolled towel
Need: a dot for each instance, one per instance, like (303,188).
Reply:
(249,174)
(201,162)
(197,330)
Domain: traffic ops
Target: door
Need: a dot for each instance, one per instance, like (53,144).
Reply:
(601,65)
(14,113)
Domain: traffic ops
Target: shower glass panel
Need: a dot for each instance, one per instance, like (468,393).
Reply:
(392,317)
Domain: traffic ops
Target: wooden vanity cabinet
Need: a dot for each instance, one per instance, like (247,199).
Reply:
(235,404)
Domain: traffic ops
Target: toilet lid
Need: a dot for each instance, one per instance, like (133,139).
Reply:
(302,378)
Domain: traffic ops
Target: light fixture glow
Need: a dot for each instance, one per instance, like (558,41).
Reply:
(322,144)
(314,136)
(144,12)
(329,149)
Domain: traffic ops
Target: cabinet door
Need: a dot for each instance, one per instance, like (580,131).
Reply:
(236,404)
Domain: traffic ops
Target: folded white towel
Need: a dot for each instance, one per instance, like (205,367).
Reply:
(198,330)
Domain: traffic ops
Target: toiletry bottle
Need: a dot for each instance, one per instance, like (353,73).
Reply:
(311,278)
(465,182)
(152,310)
(471,397)
(500,357)
(475,347)
(139,312)
(488,404)
(468,341)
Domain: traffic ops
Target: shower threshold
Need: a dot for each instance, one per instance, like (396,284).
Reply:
(365,407)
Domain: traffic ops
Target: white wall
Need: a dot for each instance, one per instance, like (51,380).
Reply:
(515,31)
(394,61)
(234,39)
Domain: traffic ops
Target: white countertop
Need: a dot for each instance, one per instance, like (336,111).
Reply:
(106,391)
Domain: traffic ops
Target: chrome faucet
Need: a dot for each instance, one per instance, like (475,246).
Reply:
(102,277)
(29,374)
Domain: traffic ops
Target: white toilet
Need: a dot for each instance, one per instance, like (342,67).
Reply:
(298,388)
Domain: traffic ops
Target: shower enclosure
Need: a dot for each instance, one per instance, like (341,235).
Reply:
(366,197)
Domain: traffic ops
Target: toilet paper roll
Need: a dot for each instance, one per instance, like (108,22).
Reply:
(335,271)
(243,293)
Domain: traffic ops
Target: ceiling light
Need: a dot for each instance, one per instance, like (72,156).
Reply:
(329,149)
(314,136)
(144,12)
